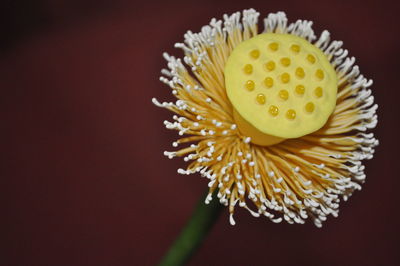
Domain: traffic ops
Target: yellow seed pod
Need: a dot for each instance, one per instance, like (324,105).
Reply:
(299,109)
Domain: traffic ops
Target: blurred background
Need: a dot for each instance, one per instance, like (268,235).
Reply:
(83,179)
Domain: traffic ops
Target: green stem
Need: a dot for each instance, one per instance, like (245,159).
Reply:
(202,220)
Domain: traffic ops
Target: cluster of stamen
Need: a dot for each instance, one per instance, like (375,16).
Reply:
(291,181)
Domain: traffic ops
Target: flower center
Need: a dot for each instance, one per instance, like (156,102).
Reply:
(281,86)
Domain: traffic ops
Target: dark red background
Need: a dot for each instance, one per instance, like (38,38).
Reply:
(83,179)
